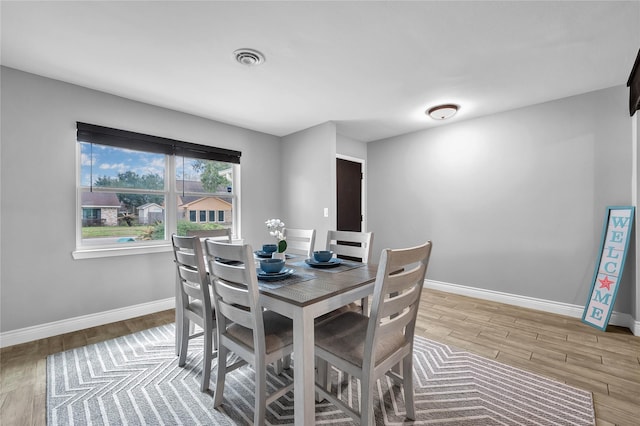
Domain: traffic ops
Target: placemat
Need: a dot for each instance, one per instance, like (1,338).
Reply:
(344,266)
(295,278)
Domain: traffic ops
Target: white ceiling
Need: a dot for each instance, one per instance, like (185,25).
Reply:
(371,67)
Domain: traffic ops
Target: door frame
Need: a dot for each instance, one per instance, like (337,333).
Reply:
(363,188)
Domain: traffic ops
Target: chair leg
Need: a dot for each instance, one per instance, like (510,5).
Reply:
(178,314)
(322,377)
(407,383)
(222,370)
(184,342)
(364,303)
(178,331)
(366,402)
(206,361)
(261,393)
(286,362)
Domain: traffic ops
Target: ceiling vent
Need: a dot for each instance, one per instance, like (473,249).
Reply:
(249,57)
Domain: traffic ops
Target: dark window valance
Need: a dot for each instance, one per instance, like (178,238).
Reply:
(634,86)
(141,142)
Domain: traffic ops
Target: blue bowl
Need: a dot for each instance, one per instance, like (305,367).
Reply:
(271,266)
(322,255)
(269,248)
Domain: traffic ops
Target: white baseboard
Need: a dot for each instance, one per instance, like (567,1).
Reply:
(575,311)
(43,331)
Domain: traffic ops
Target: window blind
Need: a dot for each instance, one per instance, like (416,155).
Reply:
(141,142)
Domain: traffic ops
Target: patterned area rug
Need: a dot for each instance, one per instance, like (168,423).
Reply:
(136,380)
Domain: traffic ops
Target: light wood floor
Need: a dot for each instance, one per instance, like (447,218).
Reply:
(562,348)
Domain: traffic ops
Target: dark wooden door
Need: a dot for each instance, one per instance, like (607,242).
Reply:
(349,208)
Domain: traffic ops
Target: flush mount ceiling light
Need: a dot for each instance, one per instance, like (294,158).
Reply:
(442,112)
(248,57)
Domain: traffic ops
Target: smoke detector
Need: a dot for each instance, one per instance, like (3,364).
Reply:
(248,57)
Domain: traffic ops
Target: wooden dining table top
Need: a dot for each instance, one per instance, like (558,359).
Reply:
(323,284)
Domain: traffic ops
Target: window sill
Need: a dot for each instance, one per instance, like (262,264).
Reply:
(119,251)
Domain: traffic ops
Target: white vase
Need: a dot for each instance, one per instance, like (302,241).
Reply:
(276,255)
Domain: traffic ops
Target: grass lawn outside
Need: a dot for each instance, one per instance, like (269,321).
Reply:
(89,232)
(113,231)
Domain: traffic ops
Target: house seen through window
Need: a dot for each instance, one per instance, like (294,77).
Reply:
(126,198)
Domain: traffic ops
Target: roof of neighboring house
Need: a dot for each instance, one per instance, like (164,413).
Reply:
(190,199)
(196,200)
(190,186)
(99,199)
(147,205)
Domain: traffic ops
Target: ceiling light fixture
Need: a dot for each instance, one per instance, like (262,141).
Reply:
(442,112)
(248,57)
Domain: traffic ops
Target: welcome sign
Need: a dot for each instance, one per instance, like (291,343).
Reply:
(606,279)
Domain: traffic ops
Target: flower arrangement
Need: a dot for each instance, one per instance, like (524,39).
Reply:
(276,229)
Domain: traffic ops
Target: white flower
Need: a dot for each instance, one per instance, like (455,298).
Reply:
(274,223)
(276,227)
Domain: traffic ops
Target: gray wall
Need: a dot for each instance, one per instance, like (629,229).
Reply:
(40,281)
(514,202)
(351,147)
(309,179)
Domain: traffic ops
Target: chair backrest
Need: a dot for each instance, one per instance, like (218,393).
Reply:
(300,241)
(235,289)
(192,271)
(350,244)
(222,234)
(396,297)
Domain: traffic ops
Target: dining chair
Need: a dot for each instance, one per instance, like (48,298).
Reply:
(351,245)
(300,241)
(222,234)
(370,347)
(193,301)
(257,336)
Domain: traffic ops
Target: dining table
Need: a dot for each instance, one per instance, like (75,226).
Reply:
(305,295)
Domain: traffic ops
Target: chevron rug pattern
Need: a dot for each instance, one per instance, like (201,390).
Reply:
(135,380)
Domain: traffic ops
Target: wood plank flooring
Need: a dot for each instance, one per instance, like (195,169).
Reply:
(558,347)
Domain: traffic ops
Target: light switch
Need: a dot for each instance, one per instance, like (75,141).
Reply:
(326,212)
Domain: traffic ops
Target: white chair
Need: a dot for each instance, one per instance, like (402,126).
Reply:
(354,246)
(369,347)
(259,337)
(300,241)
(223,234)
(351,245)
(193,302)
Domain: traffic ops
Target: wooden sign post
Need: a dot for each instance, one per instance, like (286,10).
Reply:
(606,279)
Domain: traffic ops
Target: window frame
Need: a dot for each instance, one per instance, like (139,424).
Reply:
(170,192)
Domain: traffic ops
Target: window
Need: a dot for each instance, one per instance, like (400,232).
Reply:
(221,216)
(90,217)
(125,198)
